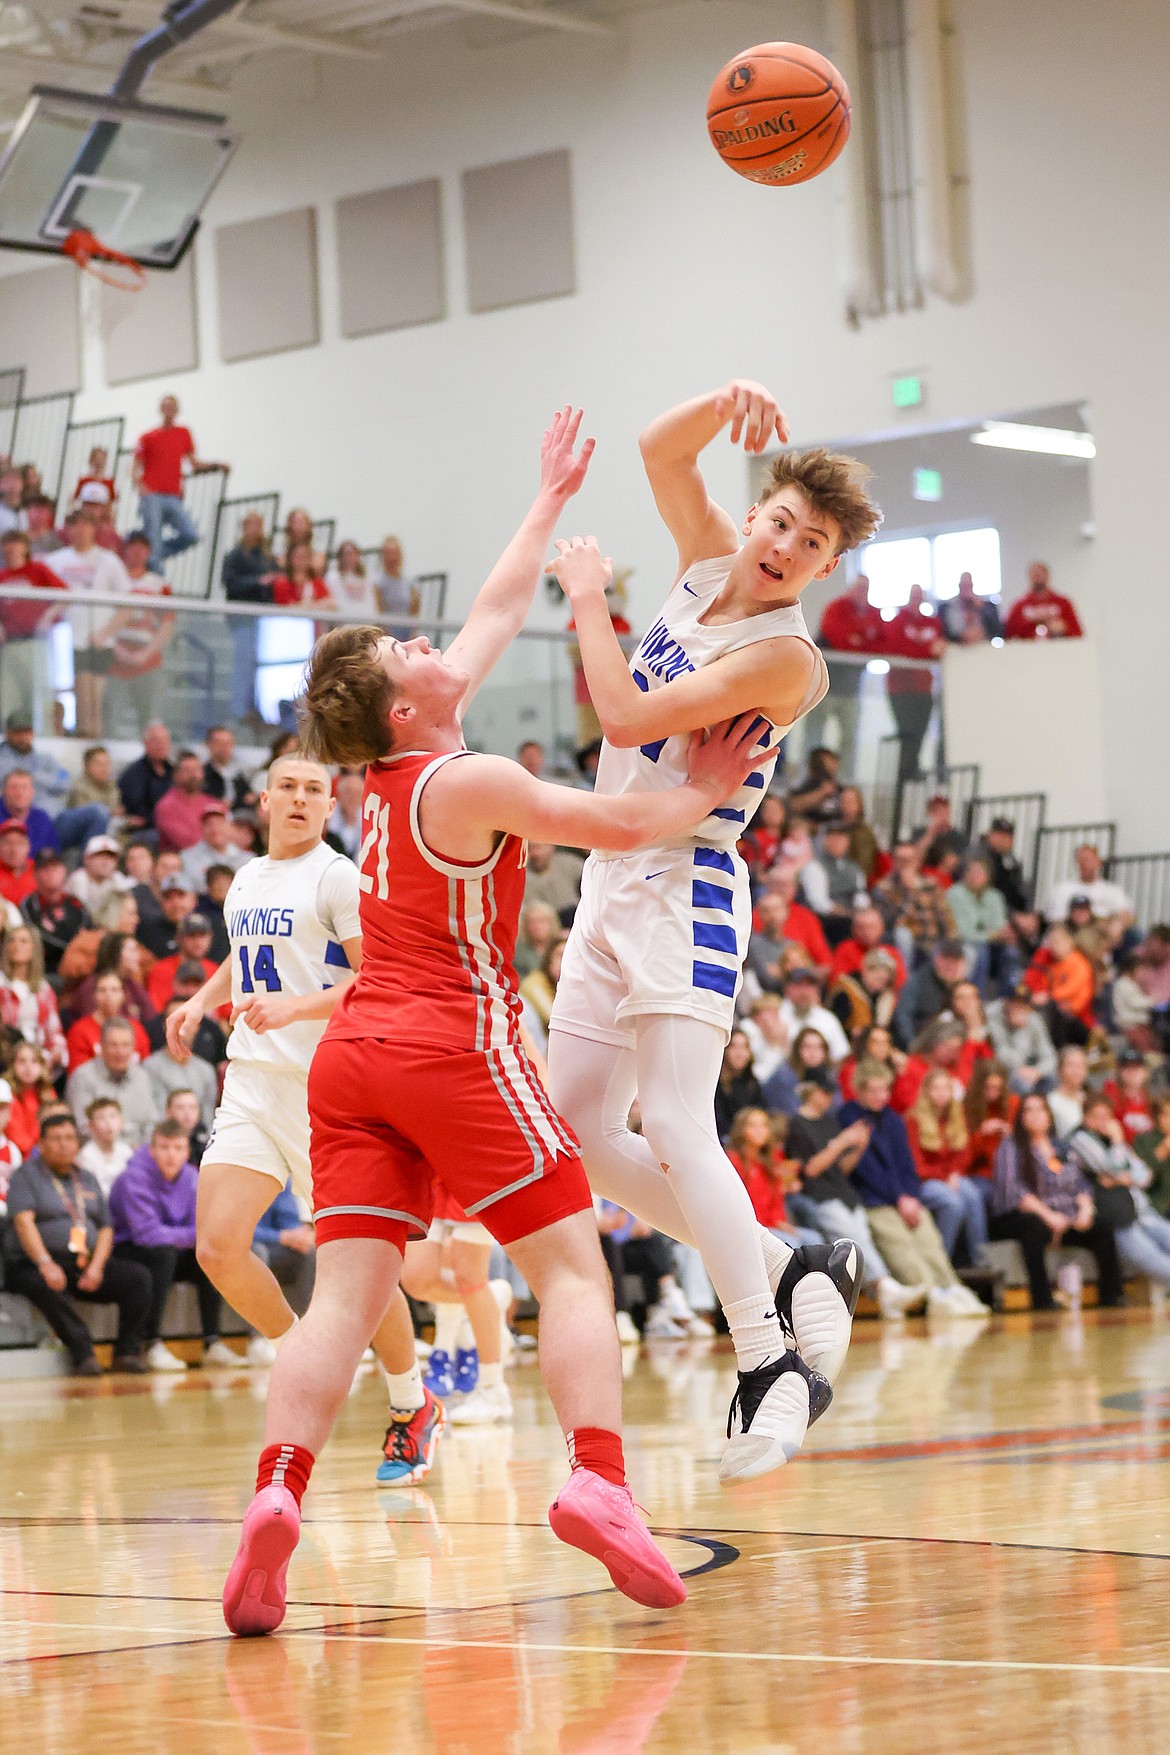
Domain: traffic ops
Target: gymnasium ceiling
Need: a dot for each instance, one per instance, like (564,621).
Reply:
(82,43)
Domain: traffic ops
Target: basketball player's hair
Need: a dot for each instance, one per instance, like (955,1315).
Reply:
(344,711)
(834,485)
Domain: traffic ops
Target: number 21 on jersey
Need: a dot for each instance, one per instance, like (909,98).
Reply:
(374,855)
(259,970)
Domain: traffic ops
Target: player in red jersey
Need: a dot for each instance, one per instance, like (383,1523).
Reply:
(421,1072)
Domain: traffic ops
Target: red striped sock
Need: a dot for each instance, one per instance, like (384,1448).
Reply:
(285,1465)
(593,1448)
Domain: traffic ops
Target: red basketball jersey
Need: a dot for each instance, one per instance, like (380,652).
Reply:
(438,937)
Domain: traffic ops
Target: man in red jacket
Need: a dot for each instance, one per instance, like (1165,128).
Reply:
(16,868)
(849,623)
(1042,613)
(913,633)
(867,932)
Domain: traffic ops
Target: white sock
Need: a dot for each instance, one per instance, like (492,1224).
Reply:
(448,1321)
(491,1376)
(755,1330)
(406,1389)
(777,1255)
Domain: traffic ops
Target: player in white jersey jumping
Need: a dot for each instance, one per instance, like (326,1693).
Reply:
(293,922)
(646,997)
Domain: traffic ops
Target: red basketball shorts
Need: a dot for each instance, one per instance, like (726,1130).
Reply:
(388,1117)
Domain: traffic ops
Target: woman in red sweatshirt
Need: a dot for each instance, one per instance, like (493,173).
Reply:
(942,1154)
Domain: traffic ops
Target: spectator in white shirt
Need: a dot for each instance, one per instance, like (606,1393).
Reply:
(801,1009)
(832,882)
(397,594)
(85,566)
(105,1153)
(1107,900)
(348,585)
(98,877)
(216,846)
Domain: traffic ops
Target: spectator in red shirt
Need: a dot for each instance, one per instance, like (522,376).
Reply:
(84,1038)
(849,623)
(866,933)
(299,583)
(781,922)
(24,654)
(178,815)
(753,1149)
(194,945)
(941,1146)
(1129,1094)
(1042,613)
(158,476)
(16,867)
(760,845)
(913,633)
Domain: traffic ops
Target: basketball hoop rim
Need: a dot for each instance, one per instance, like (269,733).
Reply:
(112,267)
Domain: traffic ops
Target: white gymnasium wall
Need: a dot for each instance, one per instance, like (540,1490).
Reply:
(687,274)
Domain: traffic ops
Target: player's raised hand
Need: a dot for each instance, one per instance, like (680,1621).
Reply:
(561,473)
(722,758)
(581,568)
(753,414)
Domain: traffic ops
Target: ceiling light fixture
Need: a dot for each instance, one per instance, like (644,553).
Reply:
(1052,441)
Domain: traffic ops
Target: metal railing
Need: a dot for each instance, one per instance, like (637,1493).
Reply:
(1145,878)
(11,392)
(39,434)
(1055,845)
(960,784)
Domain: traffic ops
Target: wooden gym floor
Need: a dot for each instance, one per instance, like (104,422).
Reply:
(972,1554)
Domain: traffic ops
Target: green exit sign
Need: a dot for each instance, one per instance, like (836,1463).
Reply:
(908,391)
(927,484)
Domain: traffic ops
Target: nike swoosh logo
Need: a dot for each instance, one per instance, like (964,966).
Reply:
(688,590)
(654,874)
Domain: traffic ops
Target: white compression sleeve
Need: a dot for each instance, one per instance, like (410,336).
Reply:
(593,1085)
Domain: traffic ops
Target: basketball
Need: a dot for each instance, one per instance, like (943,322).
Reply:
(778,113)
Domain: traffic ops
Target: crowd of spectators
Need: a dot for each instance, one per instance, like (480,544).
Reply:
(111,914)
(118,654)
(920,629)
(924,1049)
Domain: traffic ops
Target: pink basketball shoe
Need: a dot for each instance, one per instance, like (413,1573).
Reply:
(592,1514)
(253,1597)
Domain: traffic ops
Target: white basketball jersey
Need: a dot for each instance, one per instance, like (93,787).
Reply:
(678,642)
(287,920)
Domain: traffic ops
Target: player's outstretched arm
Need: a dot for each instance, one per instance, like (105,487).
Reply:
(504,600)
(469,803)
(771,677)
(670,449)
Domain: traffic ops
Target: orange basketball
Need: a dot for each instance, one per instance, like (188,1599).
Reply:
(778,113)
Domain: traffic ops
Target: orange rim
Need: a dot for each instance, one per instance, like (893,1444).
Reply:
(105,263)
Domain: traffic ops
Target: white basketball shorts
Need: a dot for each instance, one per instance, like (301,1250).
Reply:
(262,1123)
(662,931)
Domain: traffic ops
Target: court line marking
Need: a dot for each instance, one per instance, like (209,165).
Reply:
(764,1657)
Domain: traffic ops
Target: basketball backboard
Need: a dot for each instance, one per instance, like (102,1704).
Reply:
(136,175)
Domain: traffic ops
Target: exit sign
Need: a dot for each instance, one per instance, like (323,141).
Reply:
(908,391)
(927,484)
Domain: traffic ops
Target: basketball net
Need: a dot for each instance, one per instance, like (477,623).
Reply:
(105,263)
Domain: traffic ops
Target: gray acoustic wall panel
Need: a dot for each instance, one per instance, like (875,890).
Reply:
(518,225)
(266,275)
(150,333)
(40,327)
(390,258)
